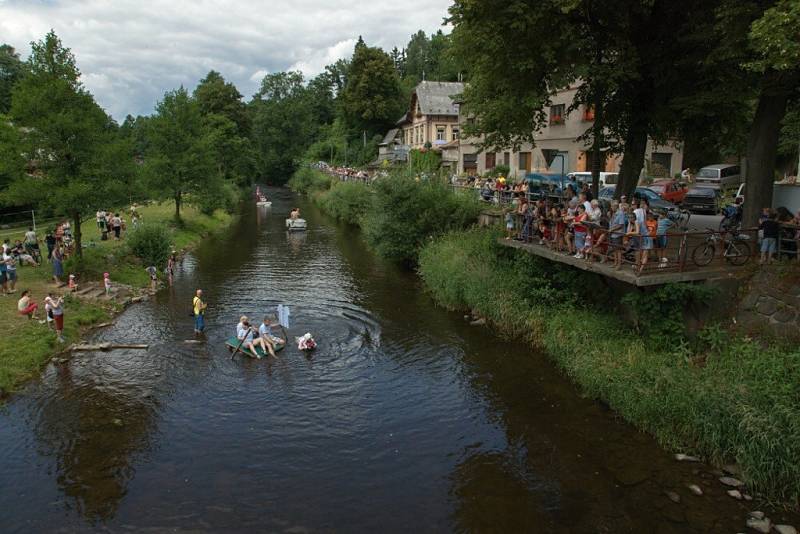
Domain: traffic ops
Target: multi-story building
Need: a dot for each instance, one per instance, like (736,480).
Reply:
(432,118)
(559,136)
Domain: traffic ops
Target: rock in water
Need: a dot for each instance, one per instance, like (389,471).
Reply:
(730,481)
(686,458)
(674,497)
(757,515)
(478,322)
(785,529)
(694,488)
(736,494)
(760,525)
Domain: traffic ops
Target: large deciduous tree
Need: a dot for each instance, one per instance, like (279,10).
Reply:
(180,155)
(79,162)
(630,59)
(11,69)
(371,99)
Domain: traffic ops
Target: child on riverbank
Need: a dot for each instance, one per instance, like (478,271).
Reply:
(107,283)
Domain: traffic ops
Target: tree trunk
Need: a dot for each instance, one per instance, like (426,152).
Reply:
(178,205)
(76,234)
(632,160)
(597,146)
(762,147)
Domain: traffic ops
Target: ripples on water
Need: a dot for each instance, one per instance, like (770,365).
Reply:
(403,419)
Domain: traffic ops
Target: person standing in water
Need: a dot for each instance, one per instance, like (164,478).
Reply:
(199,310)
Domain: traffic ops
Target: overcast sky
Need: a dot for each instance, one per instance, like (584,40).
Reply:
(131,51)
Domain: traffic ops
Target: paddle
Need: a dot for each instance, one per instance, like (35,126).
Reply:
(239,347)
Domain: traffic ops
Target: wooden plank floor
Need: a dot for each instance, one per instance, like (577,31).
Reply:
(627,273)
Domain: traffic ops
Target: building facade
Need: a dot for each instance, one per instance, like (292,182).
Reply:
(559,136)
(432,119)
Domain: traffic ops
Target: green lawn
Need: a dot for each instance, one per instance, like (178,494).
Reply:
(28,344)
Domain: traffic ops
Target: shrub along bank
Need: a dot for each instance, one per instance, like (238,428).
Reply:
(728,399)
(398,213)
(27,345)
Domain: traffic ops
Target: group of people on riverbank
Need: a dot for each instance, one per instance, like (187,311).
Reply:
(586,229)
(54,311)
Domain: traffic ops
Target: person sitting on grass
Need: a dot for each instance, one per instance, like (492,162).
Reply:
(26,306)
(245,334)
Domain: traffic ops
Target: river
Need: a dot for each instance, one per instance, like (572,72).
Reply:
(405,419)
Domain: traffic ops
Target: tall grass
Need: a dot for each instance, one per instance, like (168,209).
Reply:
(742,404)
(347,201)
(307,180)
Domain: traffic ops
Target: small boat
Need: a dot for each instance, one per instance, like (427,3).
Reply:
(233,342)
(296,225)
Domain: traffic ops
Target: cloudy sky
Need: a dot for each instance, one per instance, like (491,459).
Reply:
(131,51)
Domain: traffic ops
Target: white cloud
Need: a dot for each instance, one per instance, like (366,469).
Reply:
(132,51)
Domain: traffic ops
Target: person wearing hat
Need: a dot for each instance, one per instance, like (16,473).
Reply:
(245,333)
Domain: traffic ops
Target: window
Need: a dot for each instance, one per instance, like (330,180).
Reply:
(507,159)
(456,133)
(490,161)
(588,113)
(470,162)
(441,133)
(558,113)
(525,161)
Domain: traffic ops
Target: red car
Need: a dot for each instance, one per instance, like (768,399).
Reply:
(669,190)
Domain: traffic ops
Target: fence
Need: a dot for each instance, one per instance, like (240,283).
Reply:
(673,251)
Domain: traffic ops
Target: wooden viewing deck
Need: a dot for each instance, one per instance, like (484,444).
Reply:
(650,277)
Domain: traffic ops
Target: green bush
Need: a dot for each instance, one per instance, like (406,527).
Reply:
(730,400)
(499,170)
(307,180)
(151,243)
(405,213)
(347,201)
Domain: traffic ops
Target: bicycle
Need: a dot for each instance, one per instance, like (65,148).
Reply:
(680,218)
(736,249)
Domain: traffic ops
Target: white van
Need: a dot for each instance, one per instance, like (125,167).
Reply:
(723,176)
(606,178)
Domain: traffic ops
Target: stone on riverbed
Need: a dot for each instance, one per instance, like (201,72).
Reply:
(760,525)
(686,458)
(756,514)
(478,322)
(694,488)
(736,494)
(730,481)
(674,497)
(785,529)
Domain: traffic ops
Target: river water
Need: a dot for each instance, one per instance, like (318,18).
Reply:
(404,419)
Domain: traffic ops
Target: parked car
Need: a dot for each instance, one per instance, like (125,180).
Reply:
(541,185)
(723,176)
(702,200)
(670,190)
(606,178)
(656,202)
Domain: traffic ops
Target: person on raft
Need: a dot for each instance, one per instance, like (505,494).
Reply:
(265,332)
(295,213)
(245,333)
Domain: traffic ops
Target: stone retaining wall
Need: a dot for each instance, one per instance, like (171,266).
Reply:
(771,303)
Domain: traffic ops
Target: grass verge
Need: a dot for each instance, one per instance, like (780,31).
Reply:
(728,401)
(27,345)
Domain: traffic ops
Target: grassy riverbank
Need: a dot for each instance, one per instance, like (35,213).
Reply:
(727,399)
(27,345)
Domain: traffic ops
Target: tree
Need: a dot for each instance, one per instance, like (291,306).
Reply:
(371,99)
(216,96)
(79,161)
(11,69)
(12,164)
(616,51)
(774,45)
(179,160)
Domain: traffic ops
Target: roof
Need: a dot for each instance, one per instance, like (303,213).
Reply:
(390,136)
(435,98)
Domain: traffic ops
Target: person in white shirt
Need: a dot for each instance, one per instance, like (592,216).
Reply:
(265,331)
(245,334)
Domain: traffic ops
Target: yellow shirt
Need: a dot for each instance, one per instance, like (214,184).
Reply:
(198,305)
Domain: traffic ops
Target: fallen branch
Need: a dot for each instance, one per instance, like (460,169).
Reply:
(108,346)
